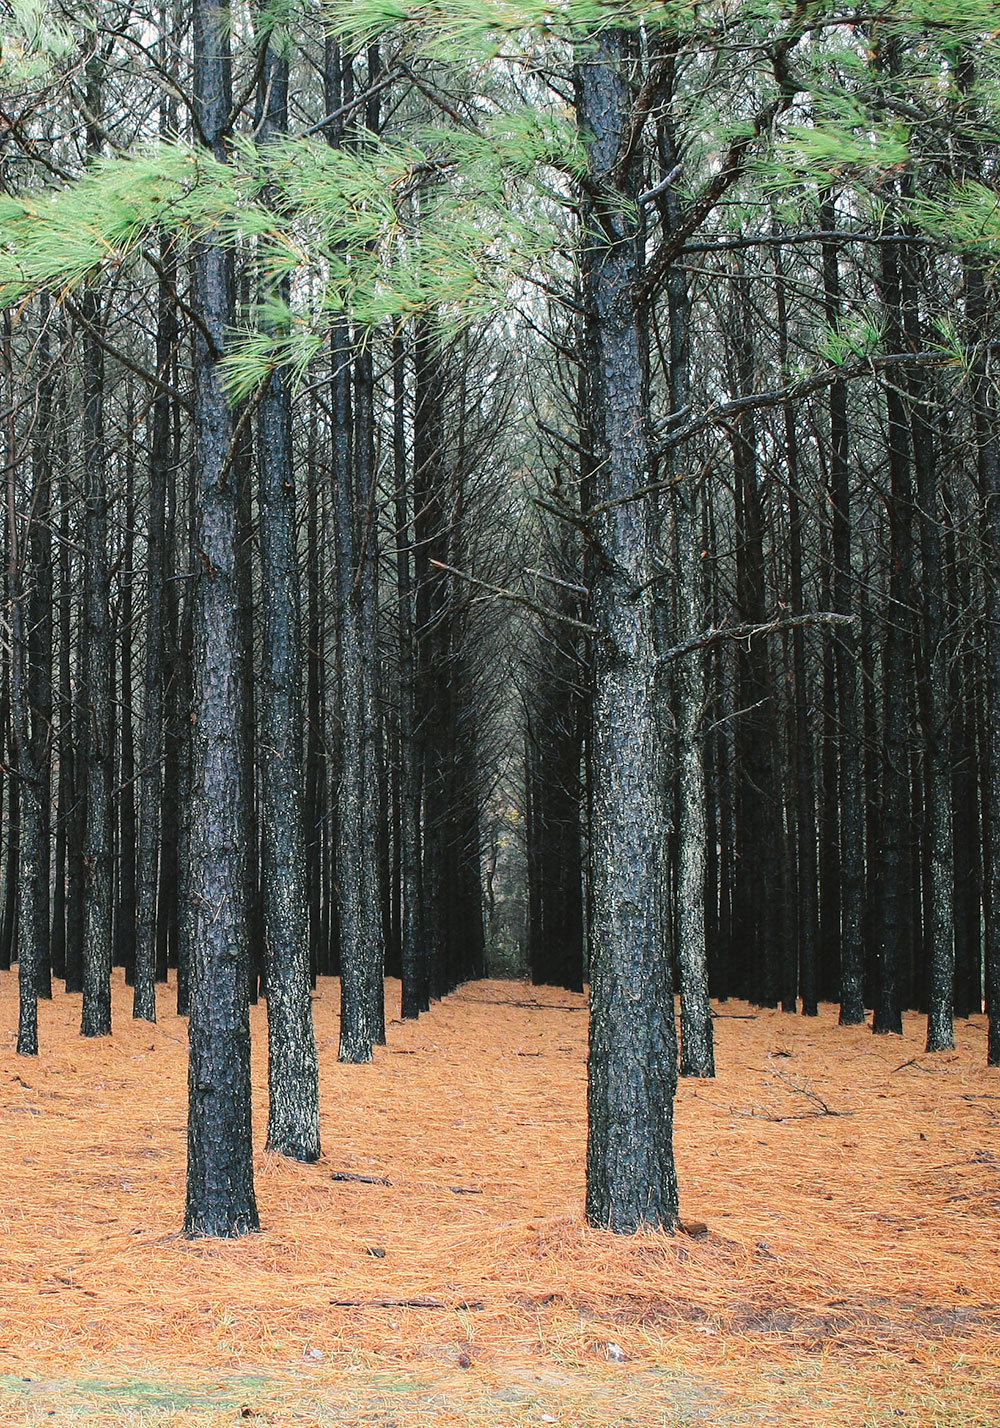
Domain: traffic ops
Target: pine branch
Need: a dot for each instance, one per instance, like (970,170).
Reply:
(512,595)
(750,632)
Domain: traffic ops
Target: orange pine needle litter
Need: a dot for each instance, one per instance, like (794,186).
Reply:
(850,1274)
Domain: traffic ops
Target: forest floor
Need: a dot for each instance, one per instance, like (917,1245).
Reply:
(849,1276)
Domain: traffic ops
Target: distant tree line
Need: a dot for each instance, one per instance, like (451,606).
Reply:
(397,469)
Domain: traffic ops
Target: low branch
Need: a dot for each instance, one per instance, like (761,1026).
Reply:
(749,632)
(502,594)
(781,396)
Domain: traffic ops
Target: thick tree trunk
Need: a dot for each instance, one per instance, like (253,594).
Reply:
(631,1178)
(220,1194)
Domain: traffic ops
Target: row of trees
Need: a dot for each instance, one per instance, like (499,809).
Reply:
(587,414)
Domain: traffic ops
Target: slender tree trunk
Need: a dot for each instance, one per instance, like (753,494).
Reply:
(126,900)
(697,1039)
(804,778)
(151,745)
(293,1075)
(411,919)
(98,726)
(220,1194)
(893,950)
(932,691)
(29,932)
(356,859)
(852,1007)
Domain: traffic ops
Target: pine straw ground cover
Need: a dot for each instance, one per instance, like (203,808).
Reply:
(849,1274)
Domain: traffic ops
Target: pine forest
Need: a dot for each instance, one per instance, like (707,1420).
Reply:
(501,650)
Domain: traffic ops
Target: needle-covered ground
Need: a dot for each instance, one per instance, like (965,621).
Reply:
(849,1276)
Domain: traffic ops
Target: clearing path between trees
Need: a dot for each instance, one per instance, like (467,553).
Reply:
(843,1270)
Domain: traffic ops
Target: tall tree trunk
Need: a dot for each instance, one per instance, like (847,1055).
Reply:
(293,1075)
(852,1007)
(631,1178)
(98,648)
(414,998)
(29,933)
(126,901)
(807,881)
(894,933)
(220,1193)
(697,1038)
(356,860)
(932,689)
(151,745)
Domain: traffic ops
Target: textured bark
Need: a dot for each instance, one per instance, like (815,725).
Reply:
(356,851)
(432,673)
(151,739)
(988,469)
(39,650)
(29,932)
(932,690)
(758,893)
(697,1038)
(125,858)
(98,724)
(631,1179)
(414,999)
(804,760)
(852,1007)
(314,805)
(894,935)
(220,1194)
(293,1075)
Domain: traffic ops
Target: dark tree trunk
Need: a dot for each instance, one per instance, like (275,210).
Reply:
(697,1038)
(932,690)
(98,726)
(411,935)
(29,934)
(151,744)
(125,902)
(293,1075)
(631,1178)
(220,1194)
(894,933)
(852,959)
(356,850)
(804,766)
(988,463)
(758,891)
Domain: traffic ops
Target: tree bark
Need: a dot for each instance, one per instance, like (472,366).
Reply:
(293,1074)
(220,1193)
(632,1065)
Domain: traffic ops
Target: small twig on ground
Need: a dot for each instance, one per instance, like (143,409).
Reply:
(913,1061)
(820,1107)
(360,1179)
